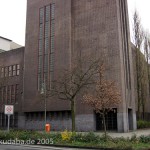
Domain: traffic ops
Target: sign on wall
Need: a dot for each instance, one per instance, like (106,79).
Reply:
(9,110)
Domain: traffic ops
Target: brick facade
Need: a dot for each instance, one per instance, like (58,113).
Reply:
(12,62)
(81,27)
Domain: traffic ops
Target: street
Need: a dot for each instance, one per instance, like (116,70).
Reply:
(30,147)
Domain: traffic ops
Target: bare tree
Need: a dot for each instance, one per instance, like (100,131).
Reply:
(145,75)
(144,87)
(137,30)
(79,77)
(147,52)
(138,39)
(104,97)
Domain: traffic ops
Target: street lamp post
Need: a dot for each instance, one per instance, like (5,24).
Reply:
(43,91)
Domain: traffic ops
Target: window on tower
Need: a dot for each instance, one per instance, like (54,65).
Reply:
(46,46)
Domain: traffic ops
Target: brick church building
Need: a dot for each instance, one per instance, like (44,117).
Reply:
(56,31)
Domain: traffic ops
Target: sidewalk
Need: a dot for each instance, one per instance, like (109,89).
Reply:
(138,133)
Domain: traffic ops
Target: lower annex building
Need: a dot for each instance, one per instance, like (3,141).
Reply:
(11,84)
(56,32)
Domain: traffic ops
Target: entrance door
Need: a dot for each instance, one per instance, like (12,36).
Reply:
(130,119)
(111,121)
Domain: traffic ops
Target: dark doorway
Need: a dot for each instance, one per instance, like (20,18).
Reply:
(130,119)
(111,121)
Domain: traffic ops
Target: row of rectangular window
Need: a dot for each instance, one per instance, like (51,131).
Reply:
(50,115)
(46,45)
(9,94)
(9,71)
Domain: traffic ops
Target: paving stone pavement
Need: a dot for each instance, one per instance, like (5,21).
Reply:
(129,134)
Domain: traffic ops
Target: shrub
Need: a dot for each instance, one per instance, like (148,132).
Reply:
(143,124)
(77,137)
(106,138)
(90,137)
(55,137)
(134,138)
(5,135)
(66,135)
(22,135)
(144,139)
(124,145)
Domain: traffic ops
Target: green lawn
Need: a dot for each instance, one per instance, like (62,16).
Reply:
(81,140)
(121,145)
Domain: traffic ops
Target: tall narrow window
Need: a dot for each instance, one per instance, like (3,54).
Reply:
(52,45)
(46,46)
(14,70)
(16,93)
(8,94)
(4,95)
(2,72)
(6,71)
(17,70)
(12,94)
(1,94)
(40,50)
(10,71)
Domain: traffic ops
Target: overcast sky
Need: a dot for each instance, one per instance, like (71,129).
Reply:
(142,6)
(13,20)
(13,17)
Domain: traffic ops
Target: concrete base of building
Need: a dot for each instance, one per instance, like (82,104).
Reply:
(83,123)
(21,121)
(56,125)
(122,122)
(126,122)
(134,122)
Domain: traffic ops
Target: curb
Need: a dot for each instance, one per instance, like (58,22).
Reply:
(59,147)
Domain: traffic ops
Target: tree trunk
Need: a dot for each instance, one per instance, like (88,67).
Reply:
(104,123)
(73,115)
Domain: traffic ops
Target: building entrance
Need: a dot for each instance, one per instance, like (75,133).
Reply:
(111,121)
